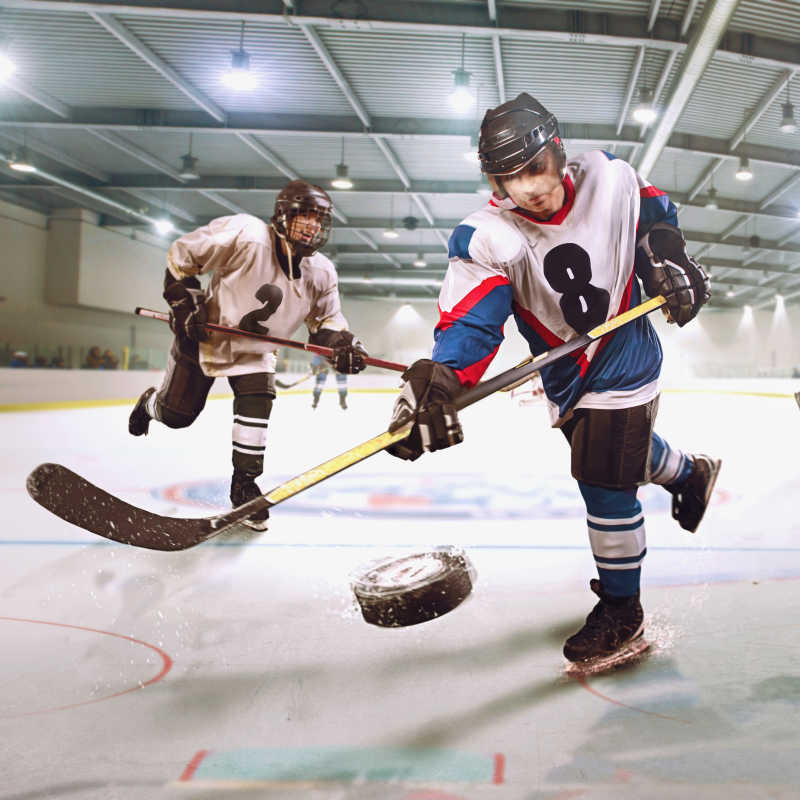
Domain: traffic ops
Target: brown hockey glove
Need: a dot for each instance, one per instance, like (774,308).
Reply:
(189,313)
(348,352)
(427,398)
(673,273)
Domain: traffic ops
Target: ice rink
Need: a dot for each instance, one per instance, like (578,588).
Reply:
(243,668)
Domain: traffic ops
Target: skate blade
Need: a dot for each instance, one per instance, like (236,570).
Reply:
(628,654)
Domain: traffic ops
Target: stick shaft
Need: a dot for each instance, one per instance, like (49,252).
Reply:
(261,337)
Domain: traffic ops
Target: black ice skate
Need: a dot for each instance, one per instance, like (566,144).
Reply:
(139,420)
(243,489)
(343,402)
(612,633)
(315,401)
(690,499)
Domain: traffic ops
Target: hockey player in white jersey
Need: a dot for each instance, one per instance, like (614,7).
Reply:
(559,246)
(263,277)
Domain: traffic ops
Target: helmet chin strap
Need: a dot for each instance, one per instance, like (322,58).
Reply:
(289,254)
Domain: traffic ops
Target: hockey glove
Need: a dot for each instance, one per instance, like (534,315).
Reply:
(671,272)
(427,398)
(189,312)
(348,352)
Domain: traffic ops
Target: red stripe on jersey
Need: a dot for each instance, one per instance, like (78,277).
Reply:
(559,216)
(470,375)
(650,191)
(549,337)
(469,301)
(624,305)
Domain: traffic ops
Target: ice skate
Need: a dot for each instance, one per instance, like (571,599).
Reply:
(612,635)
(315,401)
(690,499)
(343,402)
(244,489)
(139,420)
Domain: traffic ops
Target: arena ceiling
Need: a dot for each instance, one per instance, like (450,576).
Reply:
(108,98)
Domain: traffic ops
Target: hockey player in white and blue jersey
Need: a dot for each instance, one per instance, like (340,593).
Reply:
(559,245)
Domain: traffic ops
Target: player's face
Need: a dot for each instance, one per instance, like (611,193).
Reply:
(304,227)
(537,186)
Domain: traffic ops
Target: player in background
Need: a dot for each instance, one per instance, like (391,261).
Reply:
(267,277)
(559,245)
(319,367)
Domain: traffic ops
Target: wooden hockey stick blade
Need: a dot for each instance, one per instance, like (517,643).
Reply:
(262,337)
(74,499)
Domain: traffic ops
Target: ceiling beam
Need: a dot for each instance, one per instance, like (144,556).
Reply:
(223,201)
(633,77)
(440,18)
(710,29)
(38,96)
(54,154)
(132,42)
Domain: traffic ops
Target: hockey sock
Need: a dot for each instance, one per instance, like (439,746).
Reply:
(668,467)
(151,406)
(250,421)
(616,534)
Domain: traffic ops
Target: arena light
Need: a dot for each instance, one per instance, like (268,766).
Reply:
(744,173)
(7,67)
(342,179)
(20,161)
(711,201)
(644,113)
(419,261)
(239,77)
(461,98)
(163,226)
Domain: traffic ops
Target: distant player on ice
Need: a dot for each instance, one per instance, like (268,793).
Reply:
(260,273)
(559,246)
(319,368)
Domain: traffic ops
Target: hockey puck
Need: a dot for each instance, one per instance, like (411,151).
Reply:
(398,592)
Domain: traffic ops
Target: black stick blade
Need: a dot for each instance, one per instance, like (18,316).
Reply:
(74,499)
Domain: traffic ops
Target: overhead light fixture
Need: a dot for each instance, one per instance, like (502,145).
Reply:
(461,98)
(644,113)
(20,161)
(391,232)
(188,171)
(239,77)
(730,292)
(744,173)
(163,226)
(711,201)
(342,179)
(420,261)
(189,168)
(7,67)
(788,125)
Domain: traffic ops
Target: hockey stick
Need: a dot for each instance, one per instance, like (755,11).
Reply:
(311,348)
(75,500)
(282,385)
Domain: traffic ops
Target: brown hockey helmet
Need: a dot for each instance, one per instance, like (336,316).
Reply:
(303,217)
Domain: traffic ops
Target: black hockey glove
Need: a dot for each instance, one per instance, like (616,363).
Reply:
(189,312)
(671,272)
(427,398)
(348,352)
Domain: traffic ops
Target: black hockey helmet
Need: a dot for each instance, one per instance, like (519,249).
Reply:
(301,198)
(514,133)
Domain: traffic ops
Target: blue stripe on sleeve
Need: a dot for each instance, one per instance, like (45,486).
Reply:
(657,209)
(458,246)
(472,337)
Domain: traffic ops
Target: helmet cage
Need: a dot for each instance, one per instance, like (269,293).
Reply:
(286,209)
